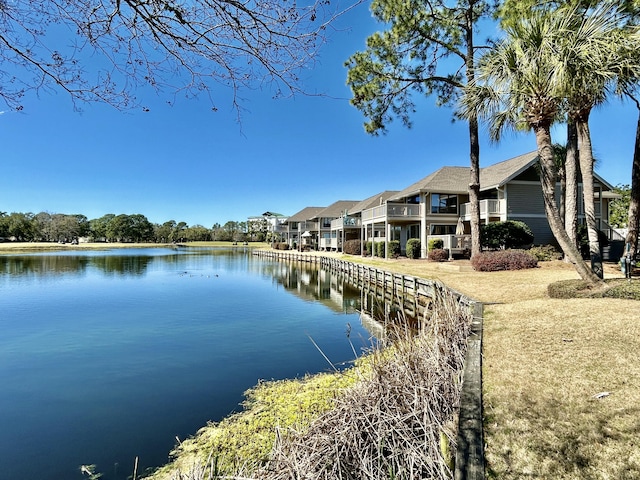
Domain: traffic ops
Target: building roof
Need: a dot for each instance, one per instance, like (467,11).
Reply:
(501,173)
(306,213)
(272,214)
(444,180)
(372,201)
(456,179)
(336,209)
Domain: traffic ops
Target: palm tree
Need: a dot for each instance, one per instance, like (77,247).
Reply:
(522,83)
(589,61)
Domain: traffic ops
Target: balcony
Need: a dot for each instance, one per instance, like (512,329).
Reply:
(346,222)
(488,209)
(392,211)
(454,244)
(329,244)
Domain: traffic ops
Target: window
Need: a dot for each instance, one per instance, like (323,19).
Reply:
(444,203)
(442,229)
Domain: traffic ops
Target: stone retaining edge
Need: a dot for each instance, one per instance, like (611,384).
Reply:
(469,464)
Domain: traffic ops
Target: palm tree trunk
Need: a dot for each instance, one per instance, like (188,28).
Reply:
(474,142)
(634,203)
(571,183)
(586,170)
(548,183)
(474,186)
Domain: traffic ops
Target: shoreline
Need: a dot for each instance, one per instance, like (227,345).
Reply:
(35,247)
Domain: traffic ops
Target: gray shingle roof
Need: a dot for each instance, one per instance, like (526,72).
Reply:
(372,201)
(456,179)
(500,173)
(335,210)
(444,180)
(306,213)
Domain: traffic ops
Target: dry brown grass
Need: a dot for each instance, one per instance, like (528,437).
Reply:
(398,422)
(545,362)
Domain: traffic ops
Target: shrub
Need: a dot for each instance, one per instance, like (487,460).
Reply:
(380,249)
(413,248)
(545,253)
(438,255)
(368,248)
(503,260)
(435,243)
(352,247)
(280,246)
(505,235)
(567,289)
(394,248)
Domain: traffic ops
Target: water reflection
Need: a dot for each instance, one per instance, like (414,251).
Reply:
(342,294)
(125,262)
(126,349)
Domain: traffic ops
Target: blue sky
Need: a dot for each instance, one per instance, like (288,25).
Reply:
(187,163)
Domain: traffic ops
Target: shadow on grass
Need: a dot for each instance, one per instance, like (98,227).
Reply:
(587,439)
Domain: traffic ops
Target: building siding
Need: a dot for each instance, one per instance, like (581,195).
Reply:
(524,198)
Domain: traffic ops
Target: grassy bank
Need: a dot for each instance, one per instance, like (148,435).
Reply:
(560,377)
(31,247)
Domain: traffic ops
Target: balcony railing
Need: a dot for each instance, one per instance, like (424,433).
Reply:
(391,211)
(452,243)
(328,244)
(488,208)
(346,222)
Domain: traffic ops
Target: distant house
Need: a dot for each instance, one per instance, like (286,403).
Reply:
(349,225)
(328,239)
(437,206)
(300,229)
(268,223)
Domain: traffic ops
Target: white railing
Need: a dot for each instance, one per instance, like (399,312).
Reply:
(346,222)
(488,208)
(391,211)
(328,244)
(453,243)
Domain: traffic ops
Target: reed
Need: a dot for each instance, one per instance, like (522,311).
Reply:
(393,415)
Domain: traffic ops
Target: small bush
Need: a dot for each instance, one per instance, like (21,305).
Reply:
(368,248)
(413,248)
(503,260)
(505,235)
(545,253)
(380,249)
(438,255)
(568,289)
(280,246)
(435,244)
(394,249)
(352,247)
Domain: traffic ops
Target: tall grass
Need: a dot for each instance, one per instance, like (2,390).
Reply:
(393,415)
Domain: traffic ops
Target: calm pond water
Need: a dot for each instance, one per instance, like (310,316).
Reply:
(105,356)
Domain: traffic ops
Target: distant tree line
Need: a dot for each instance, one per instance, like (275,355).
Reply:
(60,227)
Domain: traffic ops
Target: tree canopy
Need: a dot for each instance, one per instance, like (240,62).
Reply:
(428,49)
(105,51)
